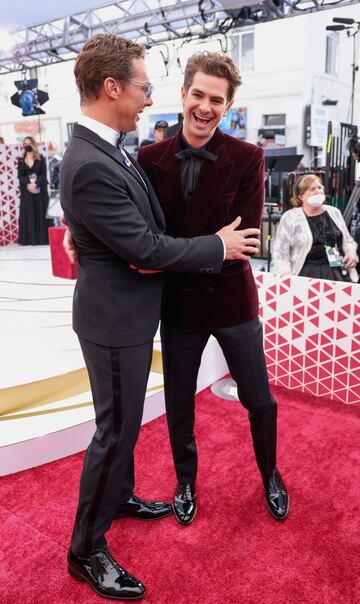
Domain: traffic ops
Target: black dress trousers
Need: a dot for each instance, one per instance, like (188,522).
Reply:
(118,379)
(242,346)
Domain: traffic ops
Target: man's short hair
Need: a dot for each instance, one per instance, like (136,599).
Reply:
(104,56)
(216,64)
(161,124)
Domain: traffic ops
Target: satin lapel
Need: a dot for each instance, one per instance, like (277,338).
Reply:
(168,182)
(156,207)
(211,184)
(105,147)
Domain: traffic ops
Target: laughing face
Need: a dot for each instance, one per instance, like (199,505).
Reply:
(204,103)
(132,98)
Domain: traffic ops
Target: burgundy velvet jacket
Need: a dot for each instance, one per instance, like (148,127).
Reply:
(232,186)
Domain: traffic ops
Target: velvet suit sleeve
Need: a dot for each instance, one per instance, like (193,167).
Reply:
(249,201)
(105,208)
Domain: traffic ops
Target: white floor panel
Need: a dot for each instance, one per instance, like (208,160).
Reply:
(38,344)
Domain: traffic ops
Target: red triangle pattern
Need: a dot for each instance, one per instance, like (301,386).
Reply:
(323,368)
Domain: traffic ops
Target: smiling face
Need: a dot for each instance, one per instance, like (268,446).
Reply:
(205,103)
(131,98)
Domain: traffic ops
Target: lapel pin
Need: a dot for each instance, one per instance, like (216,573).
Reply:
(127,162)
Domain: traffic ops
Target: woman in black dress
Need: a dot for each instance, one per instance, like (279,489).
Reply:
(34,198)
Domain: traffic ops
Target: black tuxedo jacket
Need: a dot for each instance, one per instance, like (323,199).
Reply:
(116,220)
(232,186)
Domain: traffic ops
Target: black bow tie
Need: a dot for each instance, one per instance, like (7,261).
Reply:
(121,140)
(202,153)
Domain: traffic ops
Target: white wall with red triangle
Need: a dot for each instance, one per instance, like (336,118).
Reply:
(312,335)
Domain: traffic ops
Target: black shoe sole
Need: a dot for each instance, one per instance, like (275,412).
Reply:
(83,579)
(185,523)
(277,517)
(169,513)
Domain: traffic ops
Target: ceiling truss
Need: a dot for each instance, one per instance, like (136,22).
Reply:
(149,22)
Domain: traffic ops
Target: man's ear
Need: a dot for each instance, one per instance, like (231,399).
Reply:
(183,95)
(111,88)
(228,107)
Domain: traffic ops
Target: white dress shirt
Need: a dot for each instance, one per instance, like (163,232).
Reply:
(109,135)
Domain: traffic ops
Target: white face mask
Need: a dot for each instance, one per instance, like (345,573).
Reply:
(316,200)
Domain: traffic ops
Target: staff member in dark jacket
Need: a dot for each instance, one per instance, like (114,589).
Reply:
(116,221)
(203,179)
(34,198)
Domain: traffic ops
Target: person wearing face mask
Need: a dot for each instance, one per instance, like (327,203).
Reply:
(34,198)
(312,239)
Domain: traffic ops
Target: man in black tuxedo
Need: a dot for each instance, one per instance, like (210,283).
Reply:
(116,222)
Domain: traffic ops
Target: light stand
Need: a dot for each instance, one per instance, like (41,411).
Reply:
(352,28)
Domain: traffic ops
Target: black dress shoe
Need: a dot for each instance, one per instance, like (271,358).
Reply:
(276,497)
(144,510)
(105,576)
(184,503)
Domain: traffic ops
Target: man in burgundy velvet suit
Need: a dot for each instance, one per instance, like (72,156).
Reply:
(203,179)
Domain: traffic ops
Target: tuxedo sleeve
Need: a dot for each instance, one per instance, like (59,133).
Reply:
(104,206)
(249,201)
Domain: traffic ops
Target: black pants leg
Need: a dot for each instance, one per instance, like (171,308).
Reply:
(242,346)
(181,358)
(118,378)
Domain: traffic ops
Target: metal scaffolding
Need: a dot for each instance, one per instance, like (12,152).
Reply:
(149,22)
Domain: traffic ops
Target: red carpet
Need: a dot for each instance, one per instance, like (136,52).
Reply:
(234,552)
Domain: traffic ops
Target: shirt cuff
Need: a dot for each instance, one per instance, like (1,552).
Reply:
(224,246)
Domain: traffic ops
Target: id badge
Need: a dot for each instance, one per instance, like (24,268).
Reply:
(333,256)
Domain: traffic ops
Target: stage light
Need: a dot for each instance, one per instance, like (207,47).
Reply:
(329,102)
(346,21)
(29,98)
(335,27)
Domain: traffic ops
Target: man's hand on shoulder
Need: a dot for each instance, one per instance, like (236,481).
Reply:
(239,245)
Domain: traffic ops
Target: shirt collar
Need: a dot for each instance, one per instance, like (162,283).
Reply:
(185,145)
(105,132)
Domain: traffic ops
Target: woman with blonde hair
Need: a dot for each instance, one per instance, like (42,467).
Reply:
(312,239)
(34,198)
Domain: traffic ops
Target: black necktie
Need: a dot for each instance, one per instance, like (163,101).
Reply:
(121,140)
(191,162)
(201,153)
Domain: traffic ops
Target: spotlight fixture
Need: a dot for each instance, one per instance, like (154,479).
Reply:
(335,27)
(29,98)
(343,20)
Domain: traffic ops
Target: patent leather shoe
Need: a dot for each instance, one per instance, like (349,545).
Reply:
(105,576)
(276,497)
(144,510)
(185,503)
